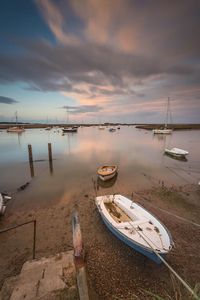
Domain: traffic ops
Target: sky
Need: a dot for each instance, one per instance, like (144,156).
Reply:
(99,60)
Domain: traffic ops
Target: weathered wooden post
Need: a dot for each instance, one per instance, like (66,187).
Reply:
(50,158)
(31,160)
(30,153)
(79,260)
(50,152)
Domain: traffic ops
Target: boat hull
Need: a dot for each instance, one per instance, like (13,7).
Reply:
(176,154)
(15,130)
(162,131)
(135,226)
(107,177)
(130,243)
(69,130)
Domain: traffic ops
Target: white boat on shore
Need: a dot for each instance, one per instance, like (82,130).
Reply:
(107,172)
(180,153)
(2,205)
(3,197)
(135,226)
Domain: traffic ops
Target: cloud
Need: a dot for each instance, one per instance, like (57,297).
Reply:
(110,54)
(82,109)
(6,100)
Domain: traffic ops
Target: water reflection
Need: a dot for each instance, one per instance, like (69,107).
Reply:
(180,158)
(31,169)
(106,184)
(138,154)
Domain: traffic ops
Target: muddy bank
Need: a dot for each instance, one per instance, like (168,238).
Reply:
(170,126)
(114,270)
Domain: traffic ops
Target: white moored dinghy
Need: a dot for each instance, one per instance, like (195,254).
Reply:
(107,172)
(176,152)
(135,226)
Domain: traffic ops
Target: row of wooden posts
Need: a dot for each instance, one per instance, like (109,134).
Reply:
(31,161)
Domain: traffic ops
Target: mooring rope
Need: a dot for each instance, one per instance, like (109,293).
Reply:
(186,285)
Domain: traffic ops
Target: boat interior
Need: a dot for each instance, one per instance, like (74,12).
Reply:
(117,213)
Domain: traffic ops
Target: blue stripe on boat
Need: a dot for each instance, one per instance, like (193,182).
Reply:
(150,254)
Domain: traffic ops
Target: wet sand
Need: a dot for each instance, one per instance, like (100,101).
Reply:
(114,270)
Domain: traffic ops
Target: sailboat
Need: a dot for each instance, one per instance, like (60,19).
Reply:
(16,129)
(164,130)
(67,129)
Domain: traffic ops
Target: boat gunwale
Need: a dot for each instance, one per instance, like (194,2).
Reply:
(131,240)
(106,173)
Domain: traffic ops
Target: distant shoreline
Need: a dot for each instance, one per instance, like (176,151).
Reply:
(139,126)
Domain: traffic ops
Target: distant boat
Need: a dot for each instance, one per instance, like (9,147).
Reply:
(17,128)
(165,130)
(118,127)
(180,153)
(48,128)
(112,129)
(135,226)
(70,129)
(101,127)
(107,172)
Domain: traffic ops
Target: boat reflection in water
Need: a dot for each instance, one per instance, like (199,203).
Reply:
(180,158)
(106,184)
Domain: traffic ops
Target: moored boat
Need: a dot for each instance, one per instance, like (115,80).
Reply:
(162,131)
(70,129)
(107,172)
(165,129)
(16,129)
(176,152)
(112,129)
(135,226)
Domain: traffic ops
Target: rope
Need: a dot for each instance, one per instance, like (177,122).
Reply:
(185,284)
(167,212)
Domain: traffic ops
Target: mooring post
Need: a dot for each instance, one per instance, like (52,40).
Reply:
(79,258)
(30,153)
(50,152)
(31,160)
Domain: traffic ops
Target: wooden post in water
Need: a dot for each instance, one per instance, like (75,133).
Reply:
(30,155)
(79,258)
(50,158)
(50,152)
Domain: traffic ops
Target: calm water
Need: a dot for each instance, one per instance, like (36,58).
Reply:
(138,153)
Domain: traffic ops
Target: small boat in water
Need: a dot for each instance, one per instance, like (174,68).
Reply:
(16,129)
(112,129)
(70,129)
(101,127)
(176,152)
(165,129)
(107,172)
(135,226)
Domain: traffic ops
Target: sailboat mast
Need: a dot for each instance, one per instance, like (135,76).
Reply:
(166,122)
(16,118)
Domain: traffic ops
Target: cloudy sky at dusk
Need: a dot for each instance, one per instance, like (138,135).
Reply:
(104,60)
